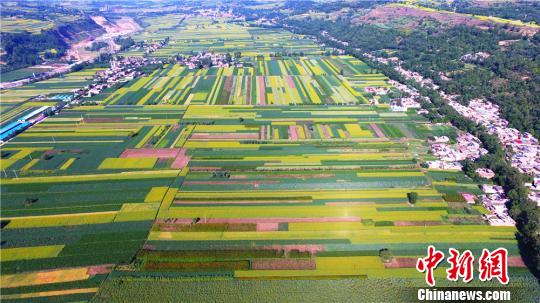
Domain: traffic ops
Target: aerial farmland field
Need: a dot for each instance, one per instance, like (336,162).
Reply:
(196,34)
(314,80)
(29,25)
(282,175)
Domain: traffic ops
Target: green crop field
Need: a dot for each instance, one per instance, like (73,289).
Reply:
(15,25)
(62,84)
(201,34)
(22,73)
(280,176)
(317,80)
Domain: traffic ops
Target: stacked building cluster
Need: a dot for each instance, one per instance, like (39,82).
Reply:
(121,70)
(467,147)
(207,59)
(522,149)
(495,200)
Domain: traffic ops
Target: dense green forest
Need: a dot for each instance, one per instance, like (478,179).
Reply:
(124,42)
(25,49)
(79,29)
(527,10)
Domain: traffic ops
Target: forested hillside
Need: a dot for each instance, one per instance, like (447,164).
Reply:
(509,76)
(24,49)
(524,10)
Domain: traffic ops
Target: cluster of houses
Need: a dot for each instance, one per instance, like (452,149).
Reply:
(152,46)
(332,50)
(266,22)
(404,88)
(398,104)
(523,150)
(412,101)
(424,82)
(216,13)
(409,75)
(444,76)
(207,59)
(121,70)
(444,165)
(382,60)
(476,57)
(331,38)
(376,90)
(450,156)
(485,173)
(403,104)
(494,200)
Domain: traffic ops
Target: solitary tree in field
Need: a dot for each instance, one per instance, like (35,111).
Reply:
(385,255)
(30,201)
(413,197)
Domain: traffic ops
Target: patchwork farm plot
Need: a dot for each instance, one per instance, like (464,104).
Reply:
(16,102)
(317,80)
(187,35)
(74,210)
(17,25)
(63,84)
(231,175)
(23,73)
(329,192)
(240,192)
